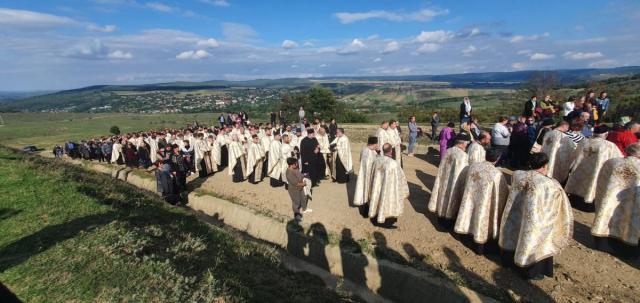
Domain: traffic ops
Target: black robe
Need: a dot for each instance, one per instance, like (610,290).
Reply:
(310,159)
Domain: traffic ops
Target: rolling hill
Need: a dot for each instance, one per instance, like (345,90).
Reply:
(84,99)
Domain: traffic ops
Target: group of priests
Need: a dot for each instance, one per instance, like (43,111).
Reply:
(257,152)
(531,220)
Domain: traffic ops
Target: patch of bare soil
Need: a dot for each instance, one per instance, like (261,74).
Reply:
(582,274)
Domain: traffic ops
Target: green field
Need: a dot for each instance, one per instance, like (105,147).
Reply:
(47,129)
(69,235)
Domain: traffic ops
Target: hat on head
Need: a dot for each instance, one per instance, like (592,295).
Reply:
(372,140)
(463,137)
(547,122)
(601,129)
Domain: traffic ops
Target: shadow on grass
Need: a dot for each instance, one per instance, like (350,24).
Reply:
(7,296)
(6,213)
(31,245)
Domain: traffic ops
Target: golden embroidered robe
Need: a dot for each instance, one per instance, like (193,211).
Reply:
(447,189)
(476,153)
(589,157)
(255,158)
(485,194)
(617,201)
(388,191)
(537,222)
(365,176)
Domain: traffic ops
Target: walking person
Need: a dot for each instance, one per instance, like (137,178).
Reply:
(465,111)
(446,137)
(435,121)
(296,189)
(221,120)
(413,135)
(301,114)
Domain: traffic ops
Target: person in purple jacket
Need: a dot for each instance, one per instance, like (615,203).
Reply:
(447,134)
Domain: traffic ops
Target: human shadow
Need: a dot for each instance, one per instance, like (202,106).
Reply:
(432,156)
(319,239)
(296,240)
(582,235)
(426,179)
(388,284)
(26,247)
(353,261)
(418,198)
(6,213)
(7,296)
(505,279)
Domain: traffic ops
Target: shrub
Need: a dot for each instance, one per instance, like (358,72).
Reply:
(114,130)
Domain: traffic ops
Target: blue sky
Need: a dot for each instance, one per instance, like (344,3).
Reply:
(59,44)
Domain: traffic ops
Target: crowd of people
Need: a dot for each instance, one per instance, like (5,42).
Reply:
(576,162)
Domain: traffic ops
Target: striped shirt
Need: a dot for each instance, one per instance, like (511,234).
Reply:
(575,136)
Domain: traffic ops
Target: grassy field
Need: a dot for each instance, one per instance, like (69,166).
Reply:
(45,130)
(69,235)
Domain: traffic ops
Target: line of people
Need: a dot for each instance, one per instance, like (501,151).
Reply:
(531,220)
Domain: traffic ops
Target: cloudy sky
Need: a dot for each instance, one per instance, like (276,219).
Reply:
(60,44)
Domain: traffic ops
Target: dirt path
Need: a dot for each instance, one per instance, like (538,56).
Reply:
(582,274)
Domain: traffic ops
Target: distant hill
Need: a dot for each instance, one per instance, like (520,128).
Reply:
(82,99)
(565,76)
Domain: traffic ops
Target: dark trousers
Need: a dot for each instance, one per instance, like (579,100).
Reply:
(620,248)
(502,149)
(434,132)
(541,268)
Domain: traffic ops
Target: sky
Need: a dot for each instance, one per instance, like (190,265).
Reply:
(62,44)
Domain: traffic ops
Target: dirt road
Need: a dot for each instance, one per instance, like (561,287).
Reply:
(582,274)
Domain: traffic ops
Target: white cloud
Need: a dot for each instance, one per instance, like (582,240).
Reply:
(96,50)
(541,56)
(377,59)
(421,15)
(308,44)
(119,55)
(583,56)
(219,3)
(428,48)
(392,46)
(327,49)
(604,63)
(210,43)
(519,65)
(468,52)
(525,52)
(323,65)
(93,49)
(288,44)
(438,36)
(193,55)
(474,32)
(21,19)
(520,38)
(102,29)
(238,31)
(157,6)
(355,46)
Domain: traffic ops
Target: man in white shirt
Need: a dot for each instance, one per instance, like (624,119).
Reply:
(500,136)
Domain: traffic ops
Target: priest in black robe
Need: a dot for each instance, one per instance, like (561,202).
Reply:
(310,156)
